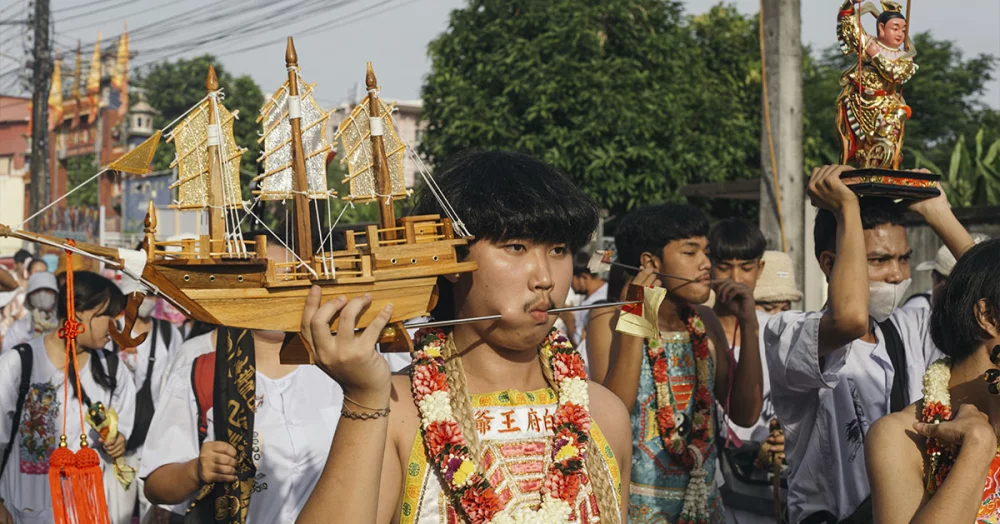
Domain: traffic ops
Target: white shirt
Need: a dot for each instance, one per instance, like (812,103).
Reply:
(762,428)
(826,408)
(756,433)
(918,301)
(138,362)
(293,428)
(583,316)
(25,482)
(18,333)
(572,299)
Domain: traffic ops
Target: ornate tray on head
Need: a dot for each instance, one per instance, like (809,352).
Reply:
(907,185)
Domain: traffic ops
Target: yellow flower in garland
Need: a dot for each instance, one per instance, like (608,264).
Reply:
(462,474)
(567,451)
(433,351)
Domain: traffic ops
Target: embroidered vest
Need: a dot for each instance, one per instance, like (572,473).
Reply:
(515,429)
(989,511)
(659,484)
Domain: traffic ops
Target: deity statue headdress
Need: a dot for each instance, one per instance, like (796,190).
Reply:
(888,6)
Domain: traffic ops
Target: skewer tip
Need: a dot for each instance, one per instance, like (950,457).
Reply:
(370,81)
(211,82)
(291,57)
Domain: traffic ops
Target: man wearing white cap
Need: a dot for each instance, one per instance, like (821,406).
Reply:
(41,301)
(940,268)
(775,290)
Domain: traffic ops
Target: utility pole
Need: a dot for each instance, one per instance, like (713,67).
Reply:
(782,49)
(41,78)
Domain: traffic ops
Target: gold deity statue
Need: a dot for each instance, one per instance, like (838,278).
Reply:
(871,112)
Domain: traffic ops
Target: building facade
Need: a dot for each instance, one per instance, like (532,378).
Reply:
(15,152)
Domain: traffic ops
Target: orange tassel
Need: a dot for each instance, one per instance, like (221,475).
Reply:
(88,487)
(61,465)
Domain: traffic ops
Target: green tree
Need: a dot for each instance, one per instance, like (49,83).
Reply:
(174,87)
(971,179)
(630,98)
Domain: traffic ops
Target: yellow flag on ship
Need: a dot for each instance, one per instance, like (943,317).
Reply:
(640,320)
(137,160)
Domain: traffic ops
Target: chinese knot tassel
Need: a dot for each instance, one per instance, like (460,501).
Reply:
(75,479)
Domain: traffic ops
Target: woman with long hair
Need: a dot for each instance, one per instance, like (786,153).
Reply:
(32,428)
(938,459)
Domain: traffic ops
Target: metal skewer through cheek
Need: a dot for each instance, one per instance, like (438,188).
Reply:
(664,275)
(554,311)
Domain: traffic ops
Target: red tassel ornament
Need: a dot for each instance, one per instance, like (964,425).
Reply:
(62,463)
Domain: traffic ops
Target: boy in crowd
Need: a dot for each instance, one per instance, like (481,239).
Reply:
(835,371)
(670,379)
(940,269)
(776,291)
(736,249)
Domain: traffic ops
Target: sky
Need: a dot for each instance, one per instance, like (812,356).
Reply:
(393,35)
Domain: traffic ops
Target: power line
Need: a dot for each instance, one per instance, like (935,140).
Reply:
(91,4)
(326,26)
(161,5)
(157,54)
(238,30)
(24,6)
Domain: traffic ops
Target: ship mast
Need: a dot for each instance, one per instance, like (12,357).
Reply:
(380,166)
(216,216)
(300,184)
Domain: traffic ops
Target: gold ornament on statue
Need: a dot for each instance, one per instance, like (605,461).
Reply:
(871,110)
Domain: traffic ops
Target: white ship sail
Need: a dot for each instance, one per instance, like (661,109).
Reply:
(276,182)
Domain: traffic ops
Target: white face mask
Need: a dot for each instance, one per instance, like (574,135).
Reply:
(147,306)
(43,301)
(884,298)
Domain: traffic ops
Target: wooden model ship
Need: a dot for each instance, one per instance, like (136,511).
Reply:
(224,279)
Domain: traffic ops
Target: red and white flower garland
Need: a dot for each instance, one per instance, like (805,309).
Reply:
(690,450)
(447,448)
(937,409)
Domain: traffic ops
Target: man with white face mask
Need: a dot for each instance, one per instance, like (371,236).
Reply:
(834,372)
(41,303)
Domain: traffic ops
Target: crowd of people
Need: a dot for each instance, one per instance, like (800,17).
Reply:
(714,400)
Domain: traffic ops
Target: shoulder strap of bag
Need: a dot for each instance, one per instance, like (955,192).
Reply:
(897,354)
(144,406)
(152,354)
(27,358)
(111,358)
(203,385)
(166,330)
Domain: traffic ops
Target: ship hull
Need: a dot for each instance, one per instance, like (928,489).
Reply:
(280,309)
(234,295)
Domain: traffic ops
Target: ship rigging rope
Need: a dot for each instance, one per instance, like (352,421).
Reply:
(280,241)
(329,233)
(775,186)
(442,200)
(60,199)
(233,230)
(322,248)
